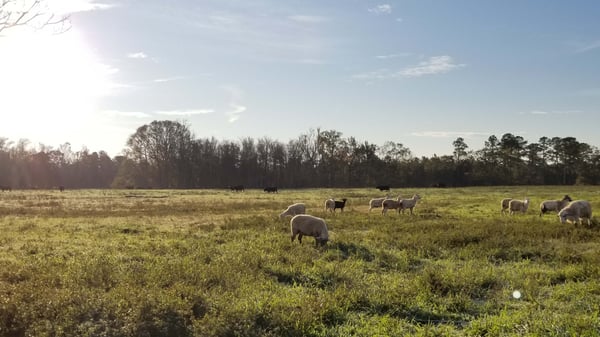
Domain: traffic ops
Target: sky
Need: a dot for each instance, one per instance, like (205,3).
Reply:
(417,72)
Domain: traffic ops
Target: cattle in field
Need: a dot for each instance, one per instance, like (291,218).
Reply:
(383,187)
(237,188)
(61,188)
(270,189)
(6,188)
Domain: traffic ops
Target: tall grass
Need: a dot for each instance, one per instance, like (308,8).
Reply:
(219,263)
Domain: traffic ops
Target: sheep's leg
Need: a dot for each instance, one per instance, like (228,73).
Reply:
(300,237)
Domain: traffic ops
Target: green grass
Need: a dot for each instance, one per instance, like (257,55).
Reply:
(218,263)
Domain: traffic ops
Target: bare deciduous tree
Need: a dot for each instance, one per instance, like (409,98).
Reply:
(35,14)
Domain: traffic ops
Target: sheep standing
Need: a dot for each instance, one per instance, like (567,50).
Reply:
(376,203)
(391,204)
(304,224)
(329,205)
(518,206)
(504,205)
(575,211)
(409,203)
(340,205)
(294,209)
(554,205)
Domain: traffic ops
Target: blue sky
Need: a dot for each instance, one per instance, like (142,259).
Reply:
(419,72)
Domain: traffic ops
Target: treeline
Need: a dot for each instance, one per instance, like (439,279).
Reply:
(165,154)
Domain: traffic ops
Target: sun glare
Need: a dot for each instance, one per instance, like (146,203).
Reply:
(48,81)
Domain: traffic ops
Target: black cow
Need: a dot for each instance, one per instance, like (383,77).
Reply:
(383,187)
(237,188)
(270,189)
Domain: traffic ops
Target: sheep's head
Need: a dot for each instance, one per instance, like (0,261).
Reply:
(566,217)
(567,198)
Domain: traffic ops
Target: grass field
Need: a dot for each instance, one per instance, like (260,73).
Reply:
(219,263)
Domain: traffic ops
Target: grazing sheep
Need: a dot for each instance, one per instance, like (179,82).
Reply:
(329,205)
(409,203)
(504,205)
(295,209)
(554,205)
(304,224)
(383,187)
(376,203)
(340,204)
(270,189)
(575,211)
(518,206)
(391,204)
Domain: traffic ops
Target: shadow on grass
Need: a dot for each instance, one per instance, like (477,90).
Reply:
(343,251)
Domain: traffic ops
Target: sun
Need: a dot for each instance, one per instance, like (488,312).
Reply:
(48,81)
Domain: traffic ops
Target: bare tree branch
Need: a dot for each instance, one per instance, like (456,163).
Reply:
(31,13)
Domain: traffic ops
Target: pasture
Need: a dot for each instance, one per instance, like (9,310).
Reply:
(220,263)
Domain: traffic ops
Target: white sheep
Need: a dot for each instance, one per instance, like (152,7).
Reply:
(518,206)
(376,203)
(330,205)
(295,209)
(504,204)
(304,224)
(554,205)
(575,211)
(390,204)
(409,203)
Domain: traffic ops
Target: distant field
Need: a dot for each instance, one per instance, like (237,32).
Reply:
(220,263)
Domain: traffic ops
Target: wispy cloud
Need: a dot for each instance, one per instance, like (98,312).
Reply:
(552,112)
(392,56)
(234,114)
(184,112)
(137,55)
(308,18)
(74,6)
(236,95)
(449,134)
(381,9)
(380,74)
(168,79)
(435,65)
(262,33)
(588,47)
